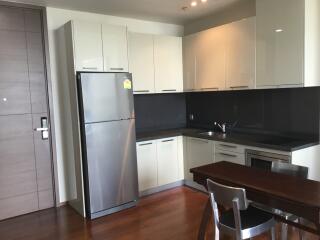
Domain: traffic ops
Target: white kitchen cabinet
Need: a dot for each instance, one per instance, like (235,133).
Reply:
(211,59)
(199,152)
(240,59)
(87,44)
(287,43)
(232,157)
(189,62)
(141,62)
(167,158)
(147,165)
(168,64)
(115,48)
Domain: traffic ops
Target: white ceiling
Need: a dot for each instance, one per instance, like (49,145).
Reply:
(169,11)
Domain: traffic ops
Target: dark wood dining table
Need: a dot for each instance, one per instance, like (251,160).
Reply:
(294,195)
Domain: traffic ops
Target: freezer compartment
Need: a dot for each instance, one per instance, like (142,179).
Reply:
(111,165)
(105,96)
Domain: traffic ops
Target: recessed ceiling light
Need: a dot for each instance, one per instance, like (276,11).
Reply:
(193,4)
(204,1)
(279,30)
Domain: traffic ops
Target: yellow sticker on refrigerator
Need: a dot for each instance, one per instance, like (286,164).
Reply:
(127,84)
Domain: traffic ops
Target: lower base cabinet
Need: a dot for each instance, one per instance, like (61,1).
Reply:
(167,158)
(159,162)
(147,165)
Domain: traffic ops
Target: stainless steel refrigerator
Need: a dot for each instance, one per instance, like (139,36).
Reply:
(108,142)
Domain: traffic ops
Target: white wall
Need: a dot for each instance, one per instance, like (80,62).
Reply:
(235,12)
(57,18)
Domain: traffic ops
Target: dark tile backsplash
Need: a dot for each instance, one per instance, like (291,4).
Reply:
(292,111)
(160,111)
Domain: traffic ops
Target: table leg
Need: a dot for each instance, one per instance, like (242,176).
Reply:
(204,221)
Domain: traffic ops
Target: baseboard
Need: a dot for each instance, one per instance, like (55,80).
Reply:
(161,188)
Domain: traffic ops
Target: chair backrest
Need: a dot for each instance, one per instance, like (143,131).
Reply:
(224,195)
(290,169)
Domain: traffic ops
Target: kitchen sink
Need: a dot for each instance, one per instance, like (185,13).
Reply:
(210,133)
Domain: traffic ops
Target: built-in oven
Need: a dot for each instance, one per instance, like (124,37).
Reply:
(263,160)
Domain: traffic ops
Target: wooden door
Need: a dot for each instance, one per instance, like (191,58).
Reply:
(26,183)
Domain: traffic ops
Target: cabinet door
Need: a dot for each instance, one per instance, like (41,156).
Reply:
(141,63)
(168,64)
(241,54)
(87,46)
(199,152)
(211,59)
(189,62)
(147,165)
(280,42)
(115,48)
(168,165)
(232,157)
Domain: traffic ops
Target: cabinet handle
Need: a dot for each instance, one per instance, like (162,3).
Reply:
(117,69)
(145,144)
(236,87)
(168,140)
(199,140)
(169,90)
(228,155)
(213,88)
(227,146)
(90,68)
(141,91)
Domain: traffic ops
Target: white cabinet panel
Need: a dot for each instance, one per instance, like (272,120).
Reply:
(87,42)
(199,152)
(241,54)
(167,156)
(168,64)
(232,157)
(211,59)
(147,165)
(280,42)
(115,48)
(189,62)
(141,62)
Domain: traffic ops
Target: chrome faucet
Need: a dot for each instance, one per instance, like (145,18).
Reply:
(222,126)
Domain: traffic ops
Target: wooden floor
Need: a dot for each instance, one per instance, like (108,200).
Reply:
(173,214)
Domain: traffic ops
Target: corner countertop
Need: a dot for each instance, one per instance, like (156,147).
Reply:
(274,142)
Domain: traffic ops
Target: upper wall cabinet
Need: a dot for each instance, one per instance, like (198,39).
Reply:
(189,62)
(288,51)
(241,54)
(98,47)
(168,64)
(115,49)
(220,58)
(87,41)
(211,59)
(141,62)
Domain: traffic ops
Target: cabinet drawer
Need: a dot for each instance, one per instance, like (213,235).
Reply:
(230,147)
(229,157)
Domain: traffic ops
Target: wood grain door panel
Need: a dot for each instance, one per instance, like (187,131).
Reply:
(26,180)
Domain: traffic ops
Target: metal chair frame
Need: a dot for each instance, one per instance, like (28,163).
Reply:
(235,198)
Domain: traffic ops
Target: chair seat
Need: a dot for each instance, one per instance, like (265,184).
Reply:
(249,218)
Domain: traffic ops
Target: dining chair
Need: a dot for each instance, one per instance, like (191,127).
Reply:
(295,171)
(241,220)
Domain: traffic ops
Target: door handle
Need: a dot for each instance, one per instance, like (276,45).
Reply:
(44,128)
(41,129)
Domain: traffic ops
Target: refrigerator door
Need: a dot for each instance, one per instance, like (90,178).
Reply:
(111,164)
(105,96)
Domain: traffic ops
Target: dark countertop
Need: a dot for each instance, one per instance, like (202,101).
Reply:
(275,142)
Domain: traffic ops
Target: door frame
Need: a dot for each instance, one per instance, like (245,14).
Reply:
(52,138)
